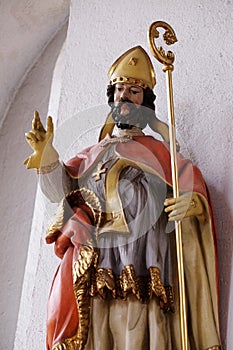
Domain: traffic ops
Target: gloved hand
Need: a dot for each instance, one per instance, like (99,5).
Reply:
(40,141)
(184,206)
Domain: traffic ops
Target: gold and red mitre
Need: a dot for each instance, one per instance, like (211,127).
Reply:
(133,67)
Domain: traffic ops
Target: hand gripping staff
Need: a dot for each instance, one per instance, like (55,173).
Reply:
(167,59)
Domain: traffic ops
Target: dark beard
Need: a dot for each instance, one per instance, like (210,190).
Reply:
(133,118)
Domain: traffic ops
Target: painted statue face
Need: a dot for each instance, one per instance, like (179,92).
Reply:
(127,102)
(130,93)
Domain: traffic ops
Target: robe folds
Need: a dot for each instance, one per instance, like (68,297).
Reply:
(117,284)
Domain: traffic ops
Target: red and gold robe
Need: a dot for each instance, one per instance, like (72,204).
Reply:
(68,320)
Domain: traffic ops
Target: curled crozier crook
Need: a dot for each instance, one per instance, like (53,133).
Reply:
(169,36)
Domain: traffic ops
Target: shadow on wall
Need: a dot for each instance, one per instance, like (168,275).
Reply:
(18,185)
(224,220)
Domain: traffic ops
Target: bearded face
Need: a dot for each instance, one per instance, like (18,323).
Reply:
(132,106)
(126,114)
(127,102)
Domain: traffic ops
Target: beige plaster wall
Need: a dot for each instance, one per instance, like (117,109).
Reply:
(26,27)
(18,190)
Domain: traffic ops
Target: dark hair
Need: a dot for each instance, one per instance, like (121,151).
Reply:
(148,101)
(149,98)
(110,94)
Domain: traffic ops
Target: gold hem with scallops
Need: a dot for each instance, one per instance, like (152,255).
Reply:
(90,281)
